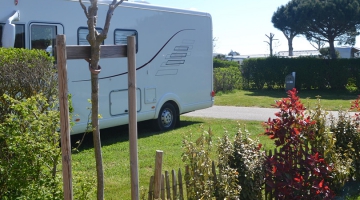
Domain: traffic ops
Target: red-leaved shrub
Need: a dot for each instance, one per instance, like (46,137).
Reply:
(296,170)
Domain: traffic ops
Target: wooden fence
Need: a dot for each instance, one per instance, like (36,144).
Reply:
(170,189)
(161,187)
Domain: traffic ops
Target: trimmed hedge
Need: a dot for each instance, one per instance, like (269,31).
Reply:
(218,63)
(311,73)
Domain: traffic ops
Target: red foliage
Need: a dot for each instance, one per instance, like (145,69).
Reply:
(355,104)
(297,172)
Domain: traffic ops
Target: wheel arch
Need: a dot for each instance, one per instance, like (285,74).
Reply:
(169,98)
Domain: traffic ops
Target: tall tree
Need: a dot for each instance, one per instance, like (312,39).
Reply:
(95,39)
(331,20)
(286,19)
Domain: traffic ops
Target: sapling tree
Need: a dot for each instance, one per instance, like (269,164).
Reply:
(95,39)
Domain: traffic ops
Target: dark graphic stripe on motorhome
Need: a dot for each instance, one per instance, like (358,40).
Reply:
(142,66)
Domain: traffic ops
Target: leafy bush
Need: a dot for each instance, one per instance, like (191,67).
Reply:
(227,79)
(346,130)
(30,155)
(25,73)
(297,171)
(227,185)
(240,172)
(325,142)
(248,159)
(201,183)
(29,151)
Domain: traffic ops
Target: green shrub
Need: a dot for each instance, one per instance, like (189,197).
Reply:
(29,150)
(325,141)
(30,155)
(201,183)
(227,183)
(346,130)
(248,159)
(227,79)
(25,73)
(240,167)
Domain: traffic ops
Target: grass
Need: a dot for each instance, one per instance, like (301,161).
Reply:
(330,100)
(116,150)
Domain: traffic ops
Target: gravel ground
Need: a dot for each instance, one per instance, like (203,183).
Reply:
(233,112)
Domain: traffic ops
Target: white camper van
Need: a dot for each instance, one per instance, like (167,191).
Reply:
(174,56)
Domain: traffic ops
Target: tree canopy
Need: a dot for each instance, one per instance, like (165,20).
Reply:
(286,19)
(331,20)
(320,20)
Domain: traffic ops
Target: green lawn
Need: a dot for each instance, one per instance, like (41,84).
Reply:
(330,100)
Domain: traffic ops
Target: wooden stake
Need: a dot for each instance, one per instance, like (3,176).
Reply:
(157,176)
(64,117)
(131,53)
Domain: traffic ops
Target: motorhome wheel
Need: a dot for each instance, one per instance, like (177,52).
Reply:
(167,117)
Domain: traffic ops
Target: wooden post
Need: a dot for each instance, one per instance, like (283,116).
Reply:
(181,190)
(133,133)
(64,117)
(167,180)
(174,183)
(157,176)
(162,186)
(151,189)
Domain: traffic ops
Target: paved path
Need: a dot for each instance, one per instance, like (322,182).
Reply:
(232,112)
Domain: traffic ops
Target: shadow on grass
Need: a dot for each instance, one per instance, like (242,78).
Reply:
(117,134)
(303,94)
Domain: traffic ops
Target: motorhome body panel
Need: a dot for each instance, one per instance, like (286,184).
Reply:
(174,57)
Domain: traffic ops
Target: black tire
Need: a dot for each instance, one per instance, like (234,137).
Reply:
(167,118)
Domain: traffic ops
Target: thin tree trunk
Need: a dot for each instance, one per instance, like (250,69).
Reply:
(95,56)
(96,136)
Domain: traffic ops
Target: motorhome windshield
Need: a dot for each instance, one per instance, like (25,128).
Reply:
(20,35)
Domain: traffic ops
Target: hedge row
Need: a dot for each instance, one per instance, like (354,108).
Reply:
(311,73)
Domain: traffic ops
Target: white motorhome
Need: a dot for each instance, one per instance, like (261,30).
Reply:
(174,56)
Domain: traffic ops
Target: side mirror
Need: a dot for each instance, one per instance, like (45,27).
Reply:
(9,32)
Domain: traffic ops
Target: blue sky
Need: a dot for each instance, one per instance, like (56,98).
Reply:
(241,25)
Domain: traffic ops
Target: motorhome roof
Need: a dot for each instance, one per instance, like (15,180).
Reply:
(140,4)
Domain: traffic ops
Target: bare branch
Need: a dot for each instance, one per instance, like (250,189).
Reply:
(84,8)
(117,4)
(109,15)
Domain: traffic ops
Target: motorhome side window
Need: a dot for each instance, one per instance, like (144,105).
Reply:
(83,32)
(120,36)
(43,37)
(20,35)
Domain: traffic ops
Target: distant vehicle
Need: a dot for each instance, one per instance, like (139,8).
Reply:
(174,56)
